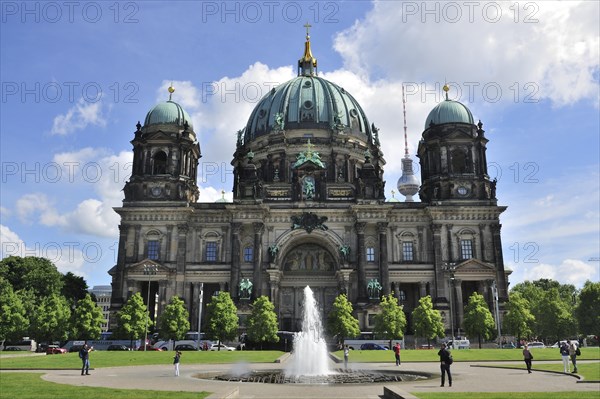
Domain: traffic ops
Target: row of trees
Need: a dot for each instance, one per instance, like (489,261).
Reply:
(38,301)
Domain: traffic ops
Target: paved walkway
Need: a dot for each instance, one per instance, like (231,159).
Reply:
(465,379)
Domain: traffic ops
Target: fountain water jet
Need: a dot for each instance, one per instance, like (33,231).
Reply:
(310,356)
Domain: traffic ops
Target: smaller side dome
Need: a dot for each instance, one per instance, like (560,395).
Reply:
(449,111)
(168,112)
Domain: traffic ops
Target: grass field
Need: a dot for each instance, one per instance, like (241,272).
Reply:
(465,355)
(31,386)
(135,358)
(590,371)
(504,395)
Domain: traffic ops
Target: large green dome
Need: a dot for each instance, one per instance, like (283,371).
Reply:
(307,102)
(449,111)
(168,113)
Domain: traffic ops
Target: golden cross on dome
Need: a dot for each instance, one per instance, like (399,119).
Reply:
(307,26)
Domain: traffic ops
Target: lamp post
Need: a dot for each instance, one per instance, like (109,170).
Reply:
(149,270)
(497,311)
(200,297)
(450,268)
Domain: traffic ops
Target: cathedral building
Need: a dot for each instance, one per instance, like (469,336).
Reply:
(309,209)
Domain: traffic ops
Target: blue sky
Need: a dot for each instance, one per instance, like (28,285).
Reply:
(76,77)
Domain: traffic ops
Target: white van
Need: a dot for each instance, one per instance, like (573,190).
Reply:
(460,344)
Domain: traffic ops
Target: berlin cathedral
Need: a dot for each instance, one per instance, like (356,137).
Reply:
(309,209)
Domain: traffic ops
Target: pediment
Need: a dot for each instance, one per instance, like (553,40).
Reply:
(159,135)
(474,265)
(140,267)
(460,134)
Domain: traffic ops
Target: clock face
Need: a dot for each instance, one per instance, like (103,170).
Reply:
(156,191)
(462,191)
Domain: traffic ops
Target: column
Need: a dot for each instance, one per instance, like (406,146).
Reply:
(118,285)
(422,289)
(182,230)
(437,264)
(257,275)
(459,307)
(235,260)
(362,261)
(499,261)
(450,251)
(194,300)
(136,244)
(169,238)
(383,257)
(420,249)
(480,246)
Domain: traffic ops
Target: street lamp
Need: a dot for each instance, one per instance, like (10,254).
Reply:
(450,268)
(497,311)
(200,297)
(149,270)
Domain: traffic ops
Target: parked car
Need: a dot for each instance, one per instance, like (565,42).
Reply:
(118,348)
(75,348)
(373,346)
(185,347)
(425,346)
(216,347)
(55,350)
(12,349)
(536,345)
(508,345)
(149,348)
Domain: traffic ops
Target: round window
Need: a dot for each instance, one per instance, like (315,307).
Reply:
(462,190)
(308,104)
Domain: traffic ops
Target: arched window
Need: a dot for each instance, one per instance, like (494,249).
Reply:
(160,163)
(459,161)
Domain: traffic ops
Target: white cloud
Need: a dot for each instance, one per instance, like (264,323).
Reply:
(67,258)
(569,271)
(79,117)
(550,49)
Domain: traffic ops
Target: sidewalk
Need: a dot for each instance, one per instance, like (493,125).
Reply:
(465,379)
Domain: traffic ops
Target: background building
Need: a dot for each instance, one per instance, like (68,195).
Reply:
(103,295)
(309,209)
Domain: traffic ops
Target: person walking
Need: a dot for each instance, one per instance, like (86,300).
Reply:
(564,353)
(573,349)
(397,353)
(346,354)
(84,355)
(445,362)
(176,359)
(527,357)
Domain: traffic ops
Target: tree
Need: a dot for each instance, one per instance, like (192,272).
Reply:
(427,321)
(340,322)
(174,321)
(553,317)
(32,273)
(221,314)
(391,322)
(74,287)
(518,318)
(133,320)
(87,319)
(478,321)
(588,308)
(50,321)
(13,320)
(262,322)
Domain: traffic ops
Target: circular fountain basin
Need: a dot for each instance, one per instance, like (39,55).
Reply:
(338,376)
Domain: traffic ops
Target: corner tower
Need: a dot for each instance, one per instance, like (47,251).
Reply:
(452,154)
(165,157)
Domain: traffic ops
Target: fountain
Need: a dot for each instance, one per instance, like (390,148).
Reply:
(309,362)
(310,357)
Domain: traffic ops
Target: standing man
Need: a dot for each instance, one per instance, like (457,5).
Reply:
(84,355)
(445,362)
(573,348)
(397,353)
(176,362)
(346,354)
(527,357)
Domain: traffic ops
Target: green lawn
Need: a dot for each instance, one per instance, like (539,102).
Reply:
(30,385)
(504,395)
(116,359)
(589,371)
(465,355)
